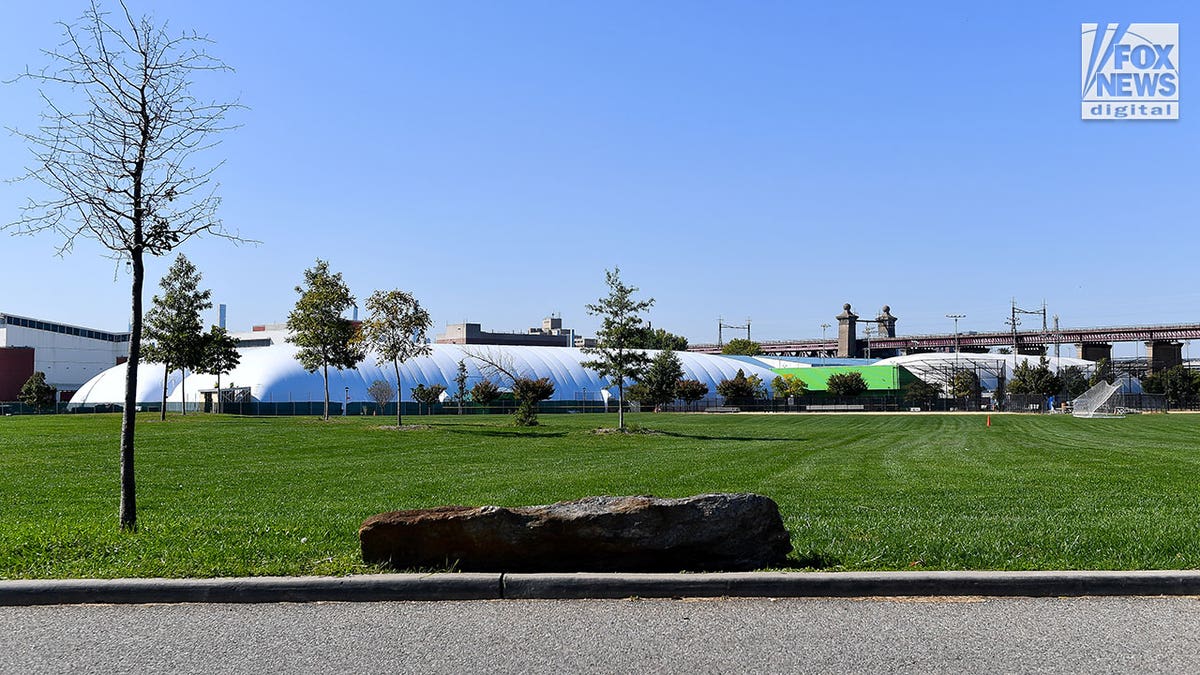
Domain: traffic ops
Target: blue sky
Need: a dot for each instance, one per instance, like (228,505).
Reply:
(768,160)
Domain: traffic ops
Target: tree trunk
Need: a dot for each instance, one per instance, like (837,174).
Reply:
(621,403)
(218,391)
(162,414)
(183,389)
(399,395)
(325,376)
(128,513)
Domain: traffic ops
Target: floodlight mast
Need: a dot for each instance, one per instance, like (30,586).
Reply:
(956,317)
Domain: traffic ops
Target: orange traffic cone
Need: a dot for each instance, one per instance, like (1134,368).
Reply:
(989,420)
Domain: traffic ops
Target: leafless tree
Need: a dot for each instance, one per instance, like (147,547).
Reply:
(120,154)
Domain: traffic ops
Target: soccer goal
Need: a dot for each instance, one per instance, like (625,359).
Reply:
(1099,401)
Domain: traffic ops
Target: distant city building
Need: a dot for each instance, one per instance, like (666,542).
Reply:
(551,334)
(68,355)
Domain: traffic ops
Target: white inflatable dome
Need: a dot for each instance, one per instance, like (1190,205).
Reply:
(274,375)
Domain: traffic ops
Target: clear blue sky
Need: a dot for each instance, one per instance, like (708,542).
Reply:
(771,160)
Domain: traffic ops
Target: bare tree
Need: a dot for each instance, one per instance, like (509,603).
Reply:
(526,389)
(118,151)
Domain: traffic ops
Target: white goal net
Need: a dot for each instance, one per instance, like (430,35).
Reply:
(1099,401)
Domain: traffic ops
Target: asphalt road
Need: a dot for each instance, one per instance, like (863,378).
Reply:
(958,635)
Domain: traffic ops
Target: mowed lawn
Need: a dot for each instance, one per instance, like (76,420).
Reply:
(224,496)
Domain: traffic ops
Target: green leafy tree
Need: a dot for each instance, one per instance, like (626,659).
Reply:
(396,329)
(964,384)
(788,386)
(616,358)
(529,392)
(219,356)
(641,393)
(1030,379)
(1074,382)
(382,393)
(36,393)
(127,167)
(173,327)
(691,391)
(922,393)
(657,338)
(485,392)
(742,346)
(846,385)
(662,379)
(427,395)
(1102,372)
(326,339)
(740,389)
(460,379)
(1179,384)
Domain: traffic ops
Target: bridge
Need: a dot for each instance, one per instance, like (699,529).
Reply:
(1163,341)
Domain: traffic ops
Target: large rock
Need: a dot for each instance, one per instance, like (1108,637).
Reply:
(716,532)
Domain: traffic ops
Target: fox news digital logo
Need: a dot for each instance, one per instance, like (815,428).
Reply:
(1131,71)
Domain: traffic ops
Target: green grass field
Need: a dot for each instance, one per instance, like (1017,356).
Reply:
(253,496)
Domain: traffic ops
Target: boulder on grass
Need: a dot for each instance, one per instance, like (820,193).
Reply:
(715,532)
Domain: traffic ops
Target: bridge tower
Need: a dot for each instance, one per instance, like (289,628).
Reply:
(847,333)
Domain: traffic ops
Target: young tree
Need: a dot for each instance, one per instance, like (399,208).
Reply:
(395,329)
(742,346)
(691,390)
(36,393)
(460,379)
(922,393)
(126,167)
(174,330)
(529,392)
(1039,379)
(485,392)
(427,395)
(1074,382)
(739,389)
(1179,384)
(787,386)
(1102,372)
(638,391)
(324,337)
(382,393)
(846,385)
(219,356)
(965,384)
(621,318)
(662,378)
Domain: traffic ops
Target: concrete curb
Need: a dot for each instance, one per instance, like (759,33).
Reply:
(851,584)
(495,586)
(368,588)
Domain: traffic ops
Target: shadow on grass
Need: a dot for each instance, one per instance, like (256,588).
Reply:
(704,437)
(507,433)
(813,560)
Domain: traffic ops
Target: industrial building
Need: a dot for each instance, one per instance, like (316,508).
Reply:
(68,355)
(551,334)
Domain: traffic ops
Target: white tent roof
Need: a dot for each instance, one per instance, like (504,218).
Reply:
(274,375)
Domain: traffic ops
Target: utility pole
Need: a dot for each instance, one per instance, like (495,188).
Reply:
(721,325)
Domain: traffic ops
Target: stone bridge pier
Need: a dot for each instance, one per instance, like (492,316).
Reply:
(1164,354)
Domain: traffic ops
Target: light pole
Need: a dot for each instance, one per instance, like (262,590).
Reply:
(956,317)
(823,327)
